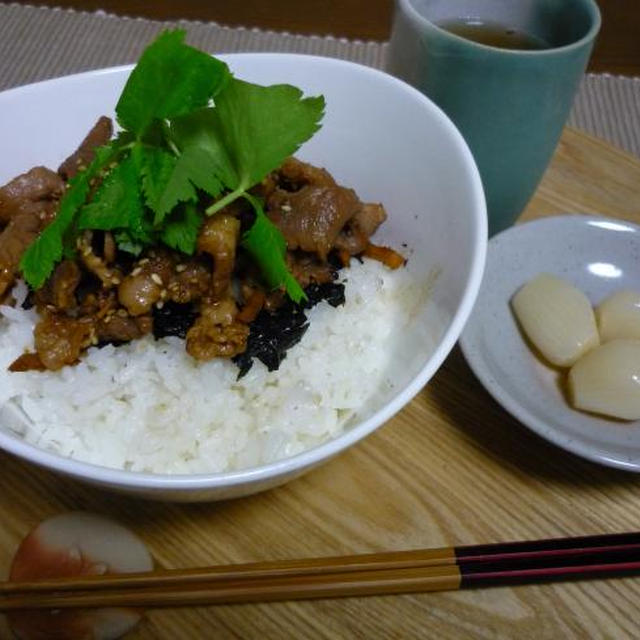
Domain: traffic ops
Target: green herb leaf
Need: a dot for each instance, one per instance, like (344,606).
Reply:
(249,133)
(267,246)
(170,79)
(46,250)
(116,202)
(194,162)
(261,126)
(175,143)
(126,243)
(182,227)
(198,137)
(165,181)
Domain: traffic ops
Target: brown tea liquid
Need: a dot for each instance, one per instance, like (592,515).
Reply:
(493,34)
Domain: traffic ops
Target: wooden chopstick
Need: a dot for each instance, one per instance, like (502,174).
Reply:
(365,574)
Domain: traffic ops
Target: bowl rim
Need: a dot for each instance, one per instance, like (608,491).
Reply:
(133,480)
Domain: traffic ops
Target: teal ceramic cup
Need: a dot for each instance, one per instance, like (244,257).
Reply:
(510,105)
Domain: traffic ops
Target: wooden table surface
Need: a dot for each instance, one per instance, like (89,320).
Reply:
(452,468)
(617,49)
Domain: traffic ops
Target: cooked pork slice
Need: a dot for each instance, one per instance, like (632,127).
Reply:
(36,192)
(216,333)
(83,156)
(121,327)
(63,283)
(14,240)
(218,237)
(59,339)
(295,174)
(109,247)
(97,303)
(190,281)
(254,300)
(27,362)
(355,236)
(147,283)
(109,276)
(307,268)
(316,214)
(312,217)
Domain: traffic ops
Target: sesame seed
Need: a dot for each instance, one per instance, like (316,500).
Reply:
(156,278)
(160,304)
(286,208)
(137,271)
(143,261)
(181,267)
(115,281)
(122,313)
(107,319)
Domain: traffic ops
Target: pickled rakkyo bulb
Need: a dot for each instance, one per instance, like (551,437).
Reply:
(619,316)
(557,318)
(607,380)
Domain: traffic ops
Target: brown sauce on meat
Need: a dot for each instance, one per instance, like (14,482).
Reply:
(105,295)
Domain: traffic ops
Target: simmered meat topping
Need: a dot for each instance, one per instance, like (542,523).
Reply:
(35,192)
(83,156)
(148,282)
(27,204)
(214,299)
(63,283)
(21,231)
(59,339)
(109,276)
(118,328)
(216,333)
(190,281)
(315,214)
(354,237)
(219,237)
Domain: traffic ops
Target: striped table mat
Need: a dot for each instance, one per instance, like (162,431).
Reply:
(38,43)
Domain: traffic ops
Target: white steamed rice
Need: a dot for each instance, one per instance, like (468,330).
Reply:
(148,406)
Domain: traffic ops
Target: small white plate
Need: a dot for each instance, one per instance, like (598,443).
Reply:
(599,256)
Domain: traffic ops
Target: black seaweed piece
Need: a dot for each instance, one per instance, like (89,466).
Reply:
(272,334)
(29,301)
(173,319)
(332,292)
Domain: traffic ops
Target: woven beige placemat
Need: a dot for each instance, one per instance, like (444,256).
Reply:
(38,43)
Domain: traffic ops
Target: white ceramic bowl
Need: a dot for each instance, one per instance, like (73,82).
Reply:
(379,136)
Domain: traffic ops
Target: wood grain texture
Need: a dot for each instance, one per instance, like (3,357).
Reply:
(617,49)
(452,468)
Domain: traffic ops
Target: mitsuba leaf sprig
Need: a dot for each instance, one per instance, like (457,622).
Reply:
(188,127)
